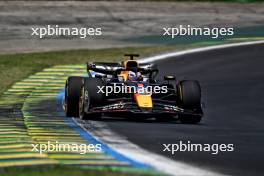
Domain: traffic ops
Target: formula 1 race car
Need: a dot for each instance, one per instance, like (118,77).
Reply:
(130,88)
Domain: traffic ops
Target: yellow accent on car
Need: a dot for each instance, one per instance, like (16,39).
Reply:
(124,74)
(144,101)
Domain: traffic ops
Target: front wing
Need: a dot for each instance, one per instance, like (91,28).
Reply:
(131,107)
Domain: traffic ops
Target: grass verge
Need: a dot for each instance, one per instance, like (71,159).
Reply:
(14,67)
(76,171)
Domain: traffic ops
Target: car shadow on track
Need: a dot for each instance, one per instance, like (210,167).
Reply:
(140,119)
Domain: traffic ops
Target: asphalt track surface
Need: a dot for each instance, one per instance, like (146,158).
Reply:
(232,81)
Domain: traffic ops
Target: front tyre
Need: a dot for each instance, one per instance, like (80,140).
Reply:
(189,97)
(90,97)
(72,96)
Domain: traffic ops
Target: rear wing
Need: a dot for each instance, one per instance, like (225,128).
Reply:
(104,67)
(115,68)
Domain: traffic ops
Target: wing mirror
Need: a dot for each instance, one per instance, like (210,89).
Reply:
(169,78)
(100,75)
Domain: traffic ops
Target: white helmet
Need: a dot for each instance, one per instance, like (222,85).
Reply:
(132,76)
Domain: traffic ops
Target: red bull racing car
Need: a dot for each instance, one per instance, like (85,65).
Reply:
(131,88)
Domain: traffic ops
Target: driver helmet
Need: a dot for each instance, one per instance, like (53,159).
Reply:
(132,76)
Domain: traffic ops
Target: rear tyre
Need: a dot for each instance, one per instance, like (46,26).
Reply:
(90,97)
(189,97)
(72,96)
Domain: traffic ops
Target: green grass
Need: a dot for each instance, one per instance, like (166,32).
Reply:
(75,171)
(14,67)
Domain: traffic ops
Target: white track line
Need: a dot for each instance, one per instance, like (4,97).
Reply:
(196,50)
(119,143)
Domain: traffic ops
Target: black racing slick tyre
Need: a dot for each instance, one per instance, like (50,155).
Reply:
(72,96)
(189,97)
(90,96)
